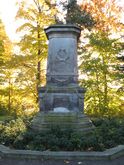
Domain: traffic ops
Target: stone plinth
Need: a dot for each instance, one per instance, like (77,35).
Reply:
(71,98)
(61,101)
(76,121)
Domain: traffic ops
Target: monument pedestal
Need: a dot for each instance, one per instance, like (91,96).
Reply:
(76,121)
(68,97)
(62,100)
(63,107)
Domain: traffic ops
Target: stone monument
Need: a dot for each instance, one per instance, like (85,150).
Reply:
(62,99)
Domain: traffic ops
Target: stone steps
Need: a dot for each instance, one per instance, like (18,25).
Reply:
(77,122)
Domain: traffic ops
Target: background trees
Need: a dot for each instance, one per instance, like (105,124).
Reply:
(100,58)
(5,70)
(107,14)
(28,64)
(100,44)
(33,44)
(100,67)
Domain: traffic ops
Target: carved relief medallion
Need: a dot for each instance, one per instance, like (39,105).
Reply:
(62,55)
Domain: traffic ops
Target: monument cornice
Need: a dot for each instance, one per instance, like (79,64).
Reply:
(62,28)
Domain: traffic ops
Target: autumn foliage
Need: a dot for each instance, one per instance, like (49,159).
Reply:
(107,14)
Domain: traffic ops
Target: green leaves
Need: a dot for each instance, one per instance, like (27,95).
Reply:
(98,64)
(103,44)
(78,16)
(107,133)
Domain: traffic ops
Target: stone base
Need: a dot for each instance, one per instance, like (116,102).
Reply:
(75,121)
(69,97)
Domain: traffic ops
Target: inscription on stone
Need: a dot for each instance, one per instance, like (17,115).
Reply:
(61,101)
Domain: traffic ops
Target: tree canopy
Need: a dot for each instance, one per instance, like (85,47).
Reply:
(101,42)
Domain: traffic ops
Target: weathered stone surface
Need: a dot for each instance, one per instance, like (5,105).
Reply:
(76,121)
(114,156)
(71,98)
(62,90)
(62,54)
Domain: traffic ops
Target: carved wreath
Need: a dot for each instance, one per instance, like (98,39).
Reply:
(62,55)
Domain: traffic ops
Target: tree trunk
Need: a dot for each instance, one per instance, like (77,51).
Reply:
(105,85)
(38,63)
(9,96)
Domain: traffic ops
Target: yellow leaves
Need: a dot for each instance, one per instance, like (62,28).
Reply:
(5,45)
(37,12)
(25,26)
(24,14)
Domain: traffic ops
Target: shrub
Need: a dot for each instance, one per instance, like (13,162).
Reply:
(108,133)
(3,109)
(10,131)
(57,139)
